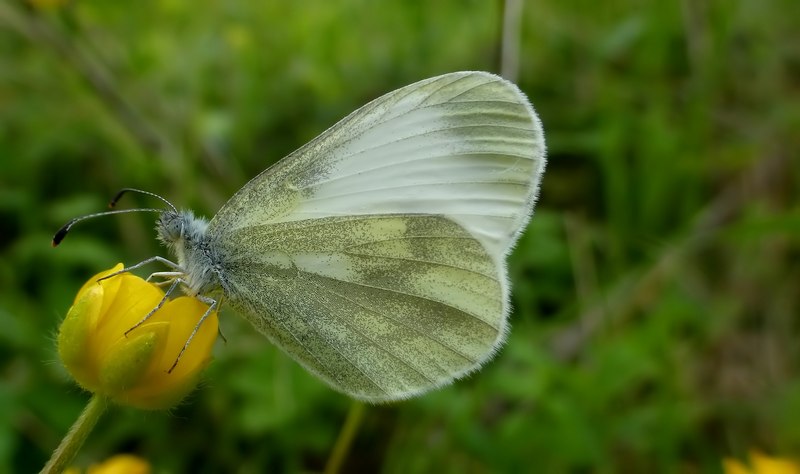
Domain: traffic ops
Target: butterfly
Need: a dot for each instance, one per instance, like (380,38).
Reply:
(375,255)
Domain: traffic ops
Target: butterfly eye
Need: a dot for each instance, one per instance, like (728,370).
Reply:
(170,226)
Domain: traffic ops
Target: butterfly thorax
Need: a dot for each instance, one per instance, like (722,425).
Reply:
(185,236)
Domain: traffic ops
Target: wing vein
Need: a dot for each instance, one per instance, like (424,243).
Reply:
(438,89)
(439,130)
(382,120)
(403,259)
(358,283)
(412,237)
(415,329)
(422,185)
(294,336)
(406,162)
(335,348)
(365,336)
(470,89)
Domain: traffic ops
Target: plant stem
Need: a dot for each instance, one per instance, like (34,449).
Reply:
(345,439)
(77,434)
(510,43)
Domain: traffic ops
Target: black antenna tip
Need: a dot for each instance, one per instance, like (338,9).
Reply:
(62,232)
(119,194)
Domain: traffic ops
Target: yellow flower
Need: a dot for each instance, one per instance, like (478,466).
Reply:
(117,464)
(761,464)
(121,464)
(133,369)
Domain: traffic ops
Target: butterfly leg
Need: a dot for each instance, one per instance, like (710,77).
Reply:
(163,260)
(220,301)
(169,277)
(212,303)
(147,316)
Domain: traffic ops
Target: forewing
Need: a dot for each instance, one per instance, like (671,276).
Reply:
(380,307)
(466,145)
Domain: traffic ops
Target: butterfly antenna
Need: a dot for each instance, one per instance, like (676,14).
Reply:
(148,193)
(62,232)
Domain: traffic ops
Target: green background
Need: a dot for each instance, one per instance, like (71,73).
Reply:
(656,289)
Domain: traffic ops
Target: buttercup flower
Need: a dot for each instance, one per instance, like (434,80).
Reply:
(117,464)
(134,369)
(761,464)
(121,464)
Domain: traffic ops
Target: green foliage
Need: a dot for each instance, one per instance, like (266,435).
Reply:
(656,290)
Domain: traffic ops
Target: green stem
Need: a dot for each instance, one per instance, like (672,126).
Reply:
(345,439)
(74,439)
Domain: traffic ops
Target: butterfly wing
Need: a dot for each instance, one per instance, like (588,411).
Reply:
(375,254)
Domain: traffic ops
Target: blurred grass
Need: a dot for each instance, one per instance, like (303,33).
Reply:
(656,290)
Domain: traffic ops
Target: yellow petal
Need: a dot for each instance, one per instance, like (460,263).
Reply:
(121,464)
(93,281)
(160,388)
(763,464)
(127,362)
(184,314)
(733,466)
(132,301)
(75,334)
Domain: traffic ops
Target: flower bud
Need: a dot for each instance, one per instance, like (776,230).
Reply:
(133,369)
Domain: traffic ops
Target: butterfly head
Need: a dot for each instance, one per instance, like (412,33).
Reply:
(179,228)
(171,226)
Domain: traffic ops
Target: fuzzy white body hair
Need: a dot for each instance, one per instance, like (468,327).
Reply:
(185,235)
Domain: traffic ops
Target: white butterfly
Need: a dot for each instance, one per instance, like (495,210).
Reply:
(375,255)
